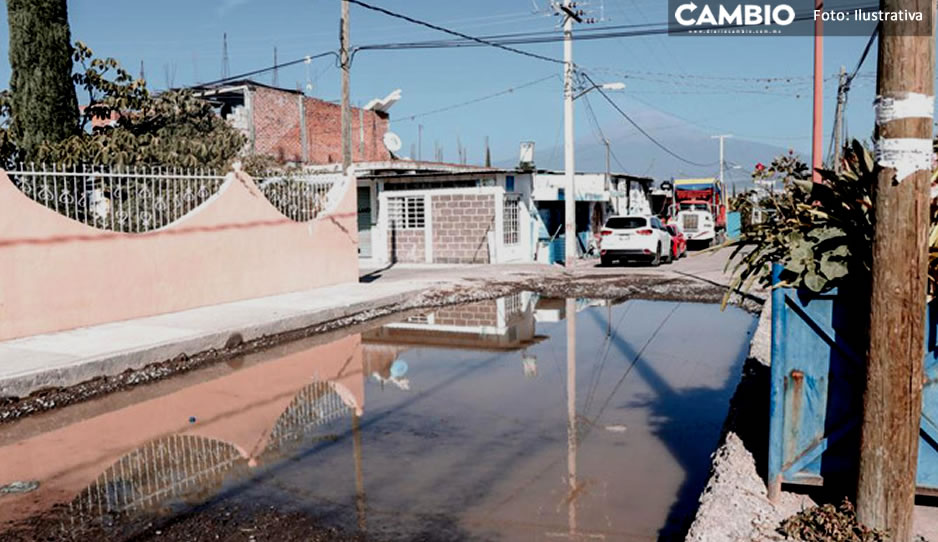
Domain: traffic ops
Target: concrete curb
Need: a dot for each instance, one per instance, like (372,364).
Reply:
(81,369)
(733,478)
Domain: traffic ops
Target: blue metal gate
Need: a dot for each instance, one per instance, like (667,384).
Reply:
(817,389)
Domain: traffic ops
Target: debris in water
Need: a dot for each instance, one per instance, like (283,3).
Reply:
(191,419)
(615,428)
(19,487)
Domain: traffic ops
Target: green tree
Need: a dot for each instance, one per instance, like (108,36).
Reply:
(172,129)
(42,97)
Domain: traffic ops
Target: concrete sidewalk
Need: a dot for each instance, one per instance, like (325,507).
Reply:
(71,357)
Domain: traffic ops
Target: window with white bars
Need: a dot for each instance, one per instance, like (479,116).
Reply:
(406,213)
(510,224)
(512,306)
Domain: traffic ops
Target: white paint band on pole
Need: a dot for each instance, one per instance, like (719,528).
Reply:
(905,155)
(911,105)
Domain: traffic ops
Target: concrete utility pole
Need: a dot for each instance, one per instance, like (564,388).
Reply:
(419,142)
(344,60)
(225,66)
(608,168)
(722,162)
(892,401)
(569,209)
(817,138)
(839,116)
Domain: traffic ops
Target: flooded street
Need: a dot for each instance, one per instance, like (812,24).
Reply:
(478,421)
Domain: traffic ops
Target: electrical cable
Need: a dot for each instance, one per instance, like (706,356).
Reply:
(479,41)
(477,100)
(844,88)
(267,69)
(585,34)
(602,136)
(640,129)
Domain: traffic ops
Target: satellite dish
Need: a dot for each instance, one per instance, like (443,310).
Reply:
(392,142)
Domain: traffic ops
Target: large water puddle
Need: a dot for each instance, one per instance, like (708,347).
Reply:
(482,421)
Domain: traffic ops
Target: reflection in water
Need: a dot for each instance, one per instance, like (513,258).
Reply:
(314,406)
(473,448)
(571,417)
(191,468)
(181,444)
(162,470)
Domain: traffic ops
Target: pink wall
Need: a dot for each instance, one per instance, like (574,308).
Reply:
(58,274)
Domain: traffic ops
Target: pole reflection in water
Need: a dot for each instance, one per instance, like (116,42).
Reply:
(359,475)
(571,416)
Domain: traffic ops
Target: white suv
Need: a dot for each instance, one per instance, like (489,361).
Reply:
(635,238)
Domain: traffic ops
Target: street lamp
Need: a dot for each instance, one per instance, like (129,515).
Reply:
(569,169)
(618,85)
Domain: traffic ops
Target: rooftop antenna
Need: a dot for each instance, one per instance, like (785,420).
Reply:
(169,72)
(225,67)
(488,153)
(275,81)
(309,79)
(142,72)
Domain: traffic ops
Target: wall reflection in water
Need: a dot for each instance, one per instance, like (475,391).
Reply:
(477,426)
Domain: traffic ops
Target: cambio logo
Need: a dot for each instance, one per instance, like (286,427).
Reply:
(741,15)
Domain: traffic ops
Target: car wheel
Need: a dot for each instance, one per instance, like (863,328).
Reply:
(657,261)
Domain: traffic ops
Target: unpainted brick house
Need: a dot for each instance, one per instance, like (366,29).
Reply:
(293,127)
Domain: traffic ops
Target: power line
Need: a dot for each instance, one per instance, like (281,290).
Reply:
(843,93)
(522,38)
(477,100)
(639,128)
(267,69)
(479,41)
(602,136)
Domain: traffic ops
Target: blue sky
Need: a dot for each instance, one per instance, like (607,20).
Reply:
(675,85)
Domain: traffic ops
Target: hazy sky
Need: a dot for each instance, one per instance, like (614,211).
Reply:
(716,84)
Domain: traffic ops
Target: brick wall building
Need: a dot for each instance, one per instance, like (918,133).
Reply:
(496,324)
(292,127)
(459,226)
(483,313)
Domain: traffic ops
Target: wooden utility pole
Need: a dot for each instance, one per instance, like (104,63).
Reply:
(892,401)
(839,117)
(817,137)
(345,61)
